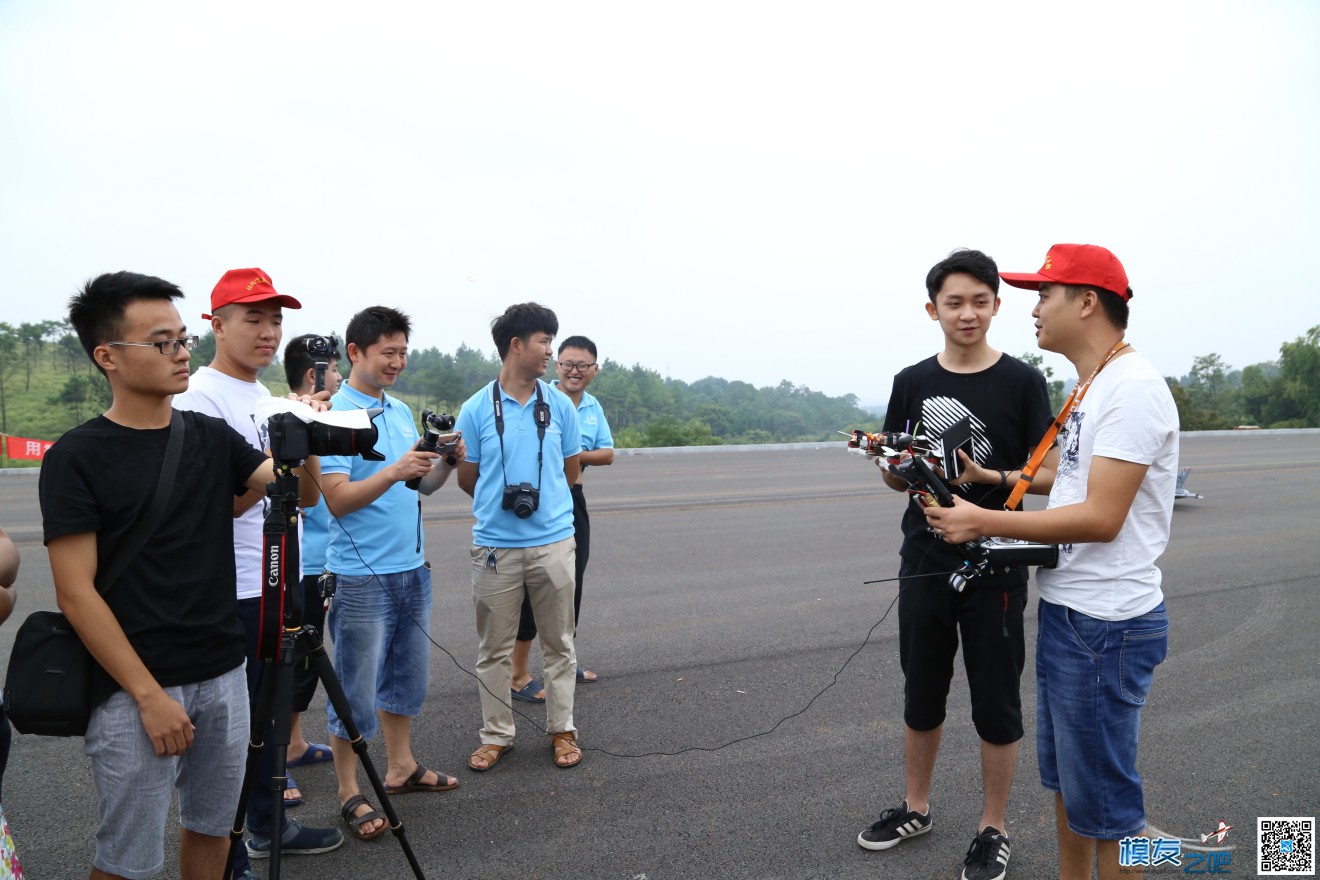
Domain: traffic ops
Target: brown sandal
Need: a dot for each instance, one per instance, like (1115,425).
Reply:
(490,753)
(565,746)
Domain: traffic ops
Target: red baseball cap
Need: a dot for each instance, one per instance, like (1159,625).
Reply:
(247,286)
(1087,264)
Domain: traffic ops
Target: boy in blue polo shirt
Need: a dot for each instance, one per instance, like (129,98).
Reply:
(523,442)
(381,613)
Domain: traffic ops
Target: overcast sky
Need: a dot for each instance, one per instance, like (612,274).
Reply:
(749,190)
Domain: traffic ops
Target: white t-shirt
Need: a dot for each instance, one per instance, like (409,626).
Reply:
(1128,414)
(215,394)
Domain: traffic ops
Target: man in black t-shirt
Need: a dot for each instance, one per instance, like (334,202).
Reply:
(167,633)
(1007,405)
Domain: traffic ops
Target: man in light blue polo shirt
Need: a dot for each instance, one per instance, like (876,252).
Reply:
(380,616)
(578,365)
(523,442)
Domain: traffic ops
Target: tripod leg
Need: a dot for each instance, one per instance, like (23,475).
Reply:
(335,694)
(260,712)
(278,730)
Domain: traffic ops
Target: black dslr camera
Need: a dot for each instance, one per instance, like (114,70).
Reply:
(292,439)
(435,424)
(523,499)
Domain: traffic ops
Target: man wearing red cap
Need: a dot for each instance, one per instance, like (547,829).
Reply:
(246,318)
(1103,627)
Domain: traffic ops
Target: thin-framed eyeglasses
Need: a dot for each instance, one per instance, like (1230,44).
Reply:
(572,367)
(165,346)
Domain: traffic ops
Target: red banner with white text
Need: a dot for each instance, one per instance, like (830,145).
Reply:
(26,449)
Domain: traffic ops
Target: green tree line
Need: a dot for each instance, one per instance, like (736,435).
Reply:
(47,385)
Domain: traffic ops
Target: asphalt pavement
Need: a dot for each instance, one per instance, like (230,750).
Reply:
(748,721)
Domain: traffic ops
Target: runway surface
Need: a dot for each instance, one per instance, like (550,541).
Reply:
(725,593)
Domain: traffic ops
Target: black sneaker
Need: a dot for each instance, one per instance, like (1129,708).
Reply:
(297,841)
(987,859)
(893,827)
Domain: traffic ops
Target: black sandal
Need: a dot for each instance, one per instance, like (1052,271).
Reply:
(355,823)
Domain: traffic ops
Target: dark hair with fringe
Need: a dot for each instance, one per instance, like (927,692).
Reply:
(581,342)
(97,311)
(521,321)
(367,327)
(967,261)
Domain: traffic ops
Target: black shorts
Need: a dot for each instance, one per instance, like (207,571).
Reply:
(988,615)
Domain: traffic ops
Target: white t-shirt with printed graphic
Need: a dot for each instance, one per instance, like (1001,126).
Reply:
(216,394)
(1127,414)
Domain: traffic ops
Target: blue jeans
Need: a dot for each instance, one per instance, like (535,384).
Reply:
(381,628)
(1092,678)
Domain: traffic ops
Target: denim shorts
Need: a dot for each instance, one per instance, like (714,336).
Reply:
(1092,678)
(381,628)
(134,787)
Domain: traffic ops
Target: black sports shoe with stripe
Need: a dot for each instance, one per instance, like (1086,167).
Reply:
(987,859)
(893,827)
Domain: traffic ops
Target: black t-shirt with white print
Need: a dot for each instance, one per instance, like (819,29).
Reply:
(1009,407)
(175,600)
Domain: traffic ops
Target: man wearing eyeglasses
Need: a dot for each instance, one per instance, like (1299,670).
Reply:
(172,710)
(247,316)
(577,366)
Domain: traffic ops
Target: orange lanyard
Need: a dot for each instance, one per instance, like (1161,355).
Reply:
(1043,448)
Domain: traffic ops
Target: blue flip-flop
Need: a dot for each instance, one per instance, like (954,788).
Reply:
(582,676)
(315,754)
(527,693)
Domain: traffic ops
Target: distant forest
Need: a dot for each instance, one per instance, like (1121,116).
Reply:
(47,386)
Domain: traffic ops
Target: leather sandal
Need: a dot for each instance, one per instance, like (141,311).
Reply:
(355,823)
(490,753)
(566,747)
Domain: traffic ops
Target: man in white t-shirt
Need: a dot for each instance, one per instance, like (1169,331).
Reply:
(1102,622)
(246,318)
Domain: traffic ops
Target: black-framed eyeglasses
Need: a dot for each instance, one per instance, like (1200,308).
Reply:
(571,367)
(166,346)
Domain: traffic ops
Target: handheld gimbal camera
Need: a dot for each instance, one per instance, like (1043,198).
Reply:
(435,424)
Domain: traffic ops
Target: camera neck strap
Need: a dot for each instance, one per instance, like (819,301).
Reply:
(1046,442)
(146,524)
(540,414)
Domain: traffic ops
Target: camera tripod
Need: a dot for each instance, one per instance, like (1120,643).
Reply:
(282,630)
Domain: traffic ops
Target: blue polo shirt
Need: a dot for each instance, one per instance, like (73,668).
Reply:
(553,519)
(315,537)
(384,534)
(591,420)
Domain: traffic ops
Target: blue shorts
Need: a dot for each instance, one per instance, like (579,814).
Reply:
(1092,677)
(134,787)
(381,628)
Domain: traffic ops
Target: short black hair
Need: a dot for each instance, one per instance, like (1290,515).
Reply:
(521,321)
(1116,308)
(367,327)
(967,261)
(581,342)
(97,311)
(298,360)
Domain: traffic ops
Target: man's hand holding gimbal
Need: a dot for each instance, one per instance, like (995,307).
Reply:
(433,468)
(345,496)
